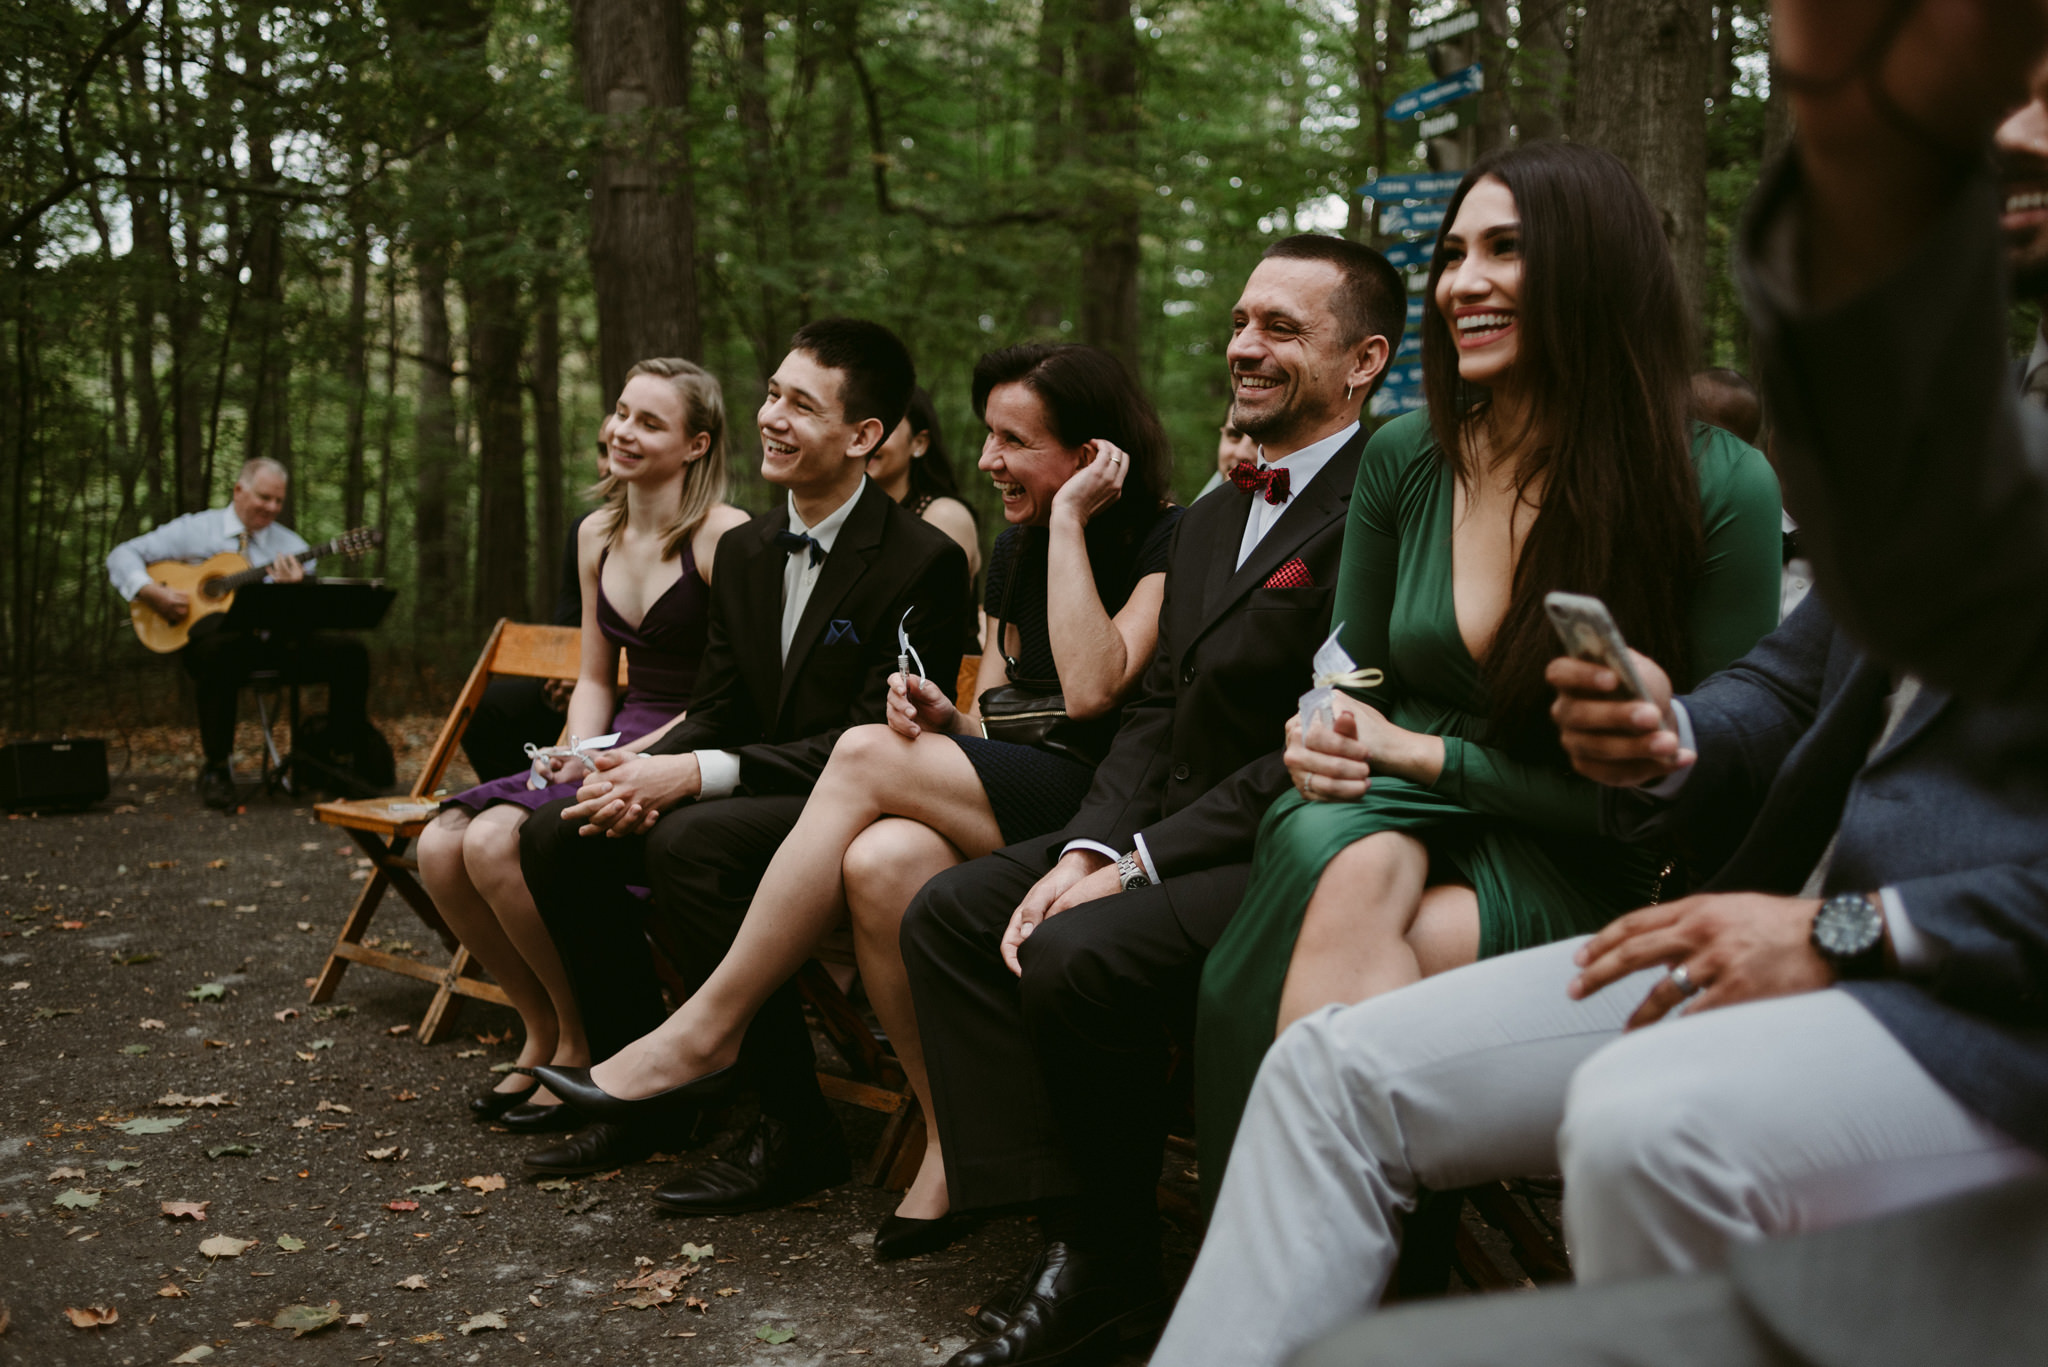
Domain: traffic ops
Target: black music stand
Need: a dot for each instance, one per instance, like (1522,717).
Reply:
(288,613)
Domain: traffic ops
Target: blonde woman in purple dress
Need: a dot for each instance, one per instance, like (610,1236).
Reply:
(645,563)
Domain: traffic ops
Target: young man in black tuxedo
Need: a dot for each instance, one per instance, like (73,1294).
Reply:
(1046,974)
(804,613)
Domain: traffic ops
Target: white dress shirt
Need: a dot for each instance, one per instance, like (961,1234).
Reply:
(1302,467)
(719,770)
(193,538)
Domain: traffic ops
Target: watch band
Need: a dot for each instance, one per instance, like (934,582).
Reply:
(1848,932)
(1131,873)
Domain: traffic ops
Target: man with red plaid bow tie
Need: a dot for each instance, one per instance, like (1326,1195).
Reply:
(1044,973)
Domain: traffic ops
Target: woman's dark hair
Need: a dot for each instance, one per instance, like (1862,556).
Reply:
(1603,358)
(931,473)
(1089,395)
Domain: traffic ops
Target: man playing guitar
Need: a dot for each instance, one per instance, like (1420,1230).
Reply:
(220,659)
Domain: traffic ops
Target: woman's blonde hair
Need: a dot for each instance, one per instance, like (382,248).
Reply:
(704,479)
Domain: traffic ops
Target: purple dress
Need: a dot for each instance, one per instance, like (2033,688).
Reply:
(661,668)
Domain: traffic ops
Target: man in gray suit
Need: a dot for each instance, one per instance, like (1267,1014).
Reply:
(1862,1031)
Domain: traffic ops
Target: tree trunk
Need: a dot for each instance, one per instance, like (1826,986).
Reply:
(1543,71)
(1649,108)
(1107,47)
(547,439)
(503,553)
(636,59)
(267,362)
(355,372)
(1494,113)
(434,450)
(388,420)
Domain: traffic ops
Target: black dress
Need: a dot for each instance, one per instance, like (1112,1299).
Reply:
(1033,791)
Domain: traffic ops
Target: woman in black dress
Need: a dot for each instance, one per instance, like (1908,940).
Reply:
(1075,585)
(914,468)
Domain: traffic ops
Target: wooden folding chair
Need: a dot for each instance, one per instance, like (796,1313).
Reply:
(384,829)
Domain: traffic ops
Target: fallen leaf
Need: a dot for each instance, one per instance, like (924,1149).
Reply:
(289,1013)
(234,1151)
(304,1122)
(359,1319)
(326,1105)
(305,925)
(194,1354)
(426,1189)
(136,960)
(216,1044)
(698,1304)
(503,1038)
(728,1291)
(78,1200)
(648,1299)
(427,1338)
(184,1210)
(190,1102)
(135,1050)
(171,1293)
(216,863)
(767,1335)
(50,1013)
(383,1155)
(697,1253)
(416,1282)
(92,1316)
(401,1205)
(163,863)
(399,1030)
(321,1044)
(157,1025)
(66,1174)
(476,1324)
(151,1124)
(226,1246)
(470,1053)
(405,1094)
(208,992)
(306,1319)
(490,1183)
(289,1243)
(305,1057)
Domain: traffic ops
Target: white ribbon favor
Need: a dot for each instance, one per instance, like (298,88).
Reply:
(1333,669)
(579,749)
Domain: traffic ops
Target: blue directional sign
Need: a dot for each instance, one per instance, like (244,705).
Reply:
(1387,403)
(1402,255)
(1456,86)
(1414,318)
(1406,375)
(1411,344)
(1421,185)
(1412,218)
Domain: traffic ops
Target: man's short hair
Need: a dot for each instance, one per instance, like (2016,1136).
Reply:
(261,465)
(879,375)
(1726,399)
(1372,301)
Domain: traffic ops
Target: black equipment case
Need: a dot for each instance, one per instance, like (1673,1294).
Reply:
(53,774)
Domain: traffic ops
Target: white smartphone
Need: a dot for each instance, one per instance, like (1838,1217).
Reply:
(1588,632)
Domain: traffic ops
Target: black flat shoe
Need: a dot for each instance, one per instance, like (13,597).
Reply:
(217,787)
(1080,1308)
(677,1103)
(770,1164)
(529,1118)
(902,1237)
(491,1105)
(594,1148)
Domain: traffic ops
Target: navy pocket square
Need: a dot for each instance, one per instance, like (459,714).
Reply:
(841,630)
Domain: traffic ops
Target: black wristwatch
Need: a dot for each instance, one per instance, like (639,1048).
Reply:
(1848,931)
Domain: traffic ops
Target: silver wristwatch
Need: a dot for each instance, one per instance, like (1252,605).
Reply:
(1131,873)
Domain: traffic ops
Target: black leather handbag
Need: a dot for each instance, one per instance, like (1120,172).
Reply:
(1027,711)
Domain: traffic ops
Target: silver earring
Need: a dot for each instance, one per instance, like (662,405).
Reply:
(1347,393)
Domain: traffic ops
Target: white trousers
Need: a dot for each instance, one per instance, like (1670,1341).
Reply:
(1746,1122)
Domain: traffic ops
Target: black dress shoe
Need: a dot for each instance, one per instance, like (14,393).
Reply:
(902,1237)
(217,787)
(573,1085)
(531,1118)
(594,1148)
(489,1106)
(770,1164)
(992,1316)
(1080,1309)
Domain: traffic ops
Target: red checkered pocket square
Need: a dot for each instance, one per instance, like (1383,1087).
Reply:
(1292,575)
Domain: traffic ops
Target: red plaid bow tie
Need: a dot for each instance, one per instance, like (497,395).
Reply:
(1271,481)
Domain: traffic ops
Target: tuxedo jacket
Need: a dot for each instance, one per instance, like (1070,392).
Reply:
(1196,761)
(782,719)
(1952,813)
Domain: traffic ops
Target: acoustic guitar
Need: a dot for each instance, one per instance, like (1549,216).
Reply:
(209,586)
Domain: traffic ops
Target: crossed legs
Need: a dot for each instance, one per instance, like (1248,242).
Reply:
(470,866)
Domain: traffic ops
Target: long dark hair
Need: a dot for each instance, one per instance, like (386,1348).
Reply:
(1604,359)
(1089,395)
(931,473)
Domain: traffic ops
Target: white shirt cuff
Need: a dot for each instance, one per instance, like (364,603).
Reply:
(1668,786)
(132,584)
(719,773)
(1096,845)
(1918,953)
(1145,859)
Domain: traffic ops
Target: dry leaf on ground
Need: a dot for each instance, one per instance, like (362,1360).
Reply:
(416,1282)
(67,1174)
(180,1099)
(194,1354)
(226,1246)
(171,1293)
(92,1316)
(306,1319)
(476,1324)
(184,1210)
(491,1183)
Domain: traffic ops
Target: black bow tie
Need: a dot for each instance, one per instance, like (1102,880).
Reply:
(794,543)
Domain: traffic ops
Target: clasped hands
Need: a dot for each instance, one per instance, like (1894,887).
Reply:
(629,791)
(1334,761)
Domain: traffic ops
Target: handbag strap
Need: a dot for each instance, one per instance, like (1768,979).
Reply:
(1011,668)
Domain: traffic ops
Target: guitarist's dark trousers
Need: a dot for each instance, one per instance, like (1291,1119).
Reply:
(220,661)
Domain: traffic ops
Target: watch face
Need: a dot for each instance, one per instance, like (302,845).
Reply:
(1847,927)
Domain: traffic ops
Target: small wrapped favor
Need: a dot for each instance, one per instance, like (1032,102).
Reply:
(541,755)
(1333,669)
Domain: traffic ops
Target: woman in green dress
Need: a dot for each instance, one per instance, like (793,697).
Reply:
(1435,819)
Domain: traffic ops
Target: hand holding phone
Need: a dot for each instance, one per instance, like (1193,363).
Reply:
(1588,632)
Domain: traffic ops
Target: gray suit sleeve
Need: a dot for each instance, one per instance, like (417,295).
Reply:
(1919,479)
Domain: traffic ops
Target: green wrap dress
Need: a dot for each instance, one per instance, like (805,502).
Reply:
(1524,836)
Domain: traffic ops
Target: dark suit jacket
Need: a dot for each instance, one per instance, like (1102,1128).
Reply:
(783,719)
(1919,480)
(1196,762)
(1952,812)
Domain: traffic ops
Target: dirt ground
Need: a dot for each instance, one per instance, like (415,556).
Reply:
(156,1045)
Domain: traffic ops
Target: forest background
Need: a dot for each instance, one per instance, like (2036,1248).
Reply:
(409,247)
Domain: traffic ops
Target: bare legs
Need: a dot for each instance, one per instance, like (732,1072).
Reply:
(873,773)
(470,866)
(886,865)
(1373,926)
